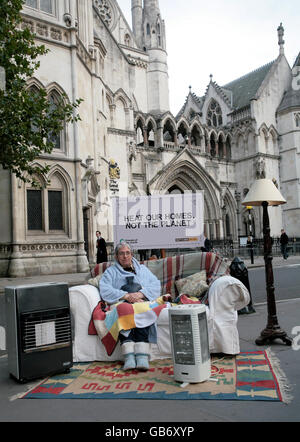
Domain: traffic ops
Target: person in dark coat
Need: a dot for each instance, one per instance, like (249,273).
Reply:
(207,246)
(284,239)
(101,248)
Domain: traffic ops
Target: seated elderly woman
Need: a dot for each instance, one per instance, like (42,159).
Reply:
(135,342)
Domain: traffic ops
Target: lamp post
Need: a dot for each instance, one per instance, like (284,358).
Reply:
(249,208)
(264,193)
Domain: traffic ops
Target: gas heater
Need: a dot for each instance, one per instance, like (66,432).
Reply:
(39,334)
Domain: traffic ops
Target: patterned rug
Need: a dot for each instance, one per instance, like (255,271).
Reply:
(248,376)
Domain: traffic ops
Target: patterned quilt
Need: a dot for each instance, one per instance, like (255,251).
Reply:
(107,322)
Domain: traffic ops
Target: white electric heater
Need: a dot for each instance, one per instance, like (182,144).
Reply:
(190,345)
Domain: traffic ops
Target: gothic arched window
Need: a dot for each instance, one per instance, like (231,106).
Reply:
(150,134)
(57,140)
(214,114)
(140,134)
(169,132)
(158,34)
(47,208)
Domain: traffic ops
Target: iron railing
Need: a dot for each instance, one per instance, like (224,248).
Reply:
(227,249)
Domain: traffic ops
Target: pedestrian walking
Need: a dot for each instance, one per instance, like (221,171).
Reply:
(284,240)
(101,248)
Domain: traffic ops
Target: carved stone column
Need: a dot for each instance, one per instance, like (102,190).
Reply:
(159,135)
(208,147)
(145,136)
(217,148)
(224,151)
(189,139)
(16,265)
(176,139)
(238,202)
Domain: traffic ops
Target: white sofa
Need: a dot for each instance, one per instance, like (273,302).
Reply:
(227,295)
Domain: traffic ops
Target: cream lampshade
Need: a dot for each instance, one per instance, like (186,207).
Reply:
(264,193)
(263,190)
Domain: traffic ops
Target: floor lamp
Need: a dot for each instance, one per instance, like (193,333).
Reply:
(264,193)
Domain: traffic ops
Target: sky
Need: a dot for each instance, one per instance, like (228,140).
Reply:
(225,38)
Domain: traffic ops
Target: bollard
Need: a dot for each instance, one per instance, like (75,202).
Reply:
(239,271)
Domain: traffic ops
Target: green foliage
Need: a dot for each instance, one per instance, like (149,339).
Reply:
(29,123)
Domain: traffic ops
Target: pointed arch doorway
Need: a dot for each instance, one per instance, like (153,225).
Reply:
(175,190)
(188,177)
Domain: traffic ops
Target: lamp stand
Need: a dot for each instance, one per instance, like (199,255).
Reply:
(273,330)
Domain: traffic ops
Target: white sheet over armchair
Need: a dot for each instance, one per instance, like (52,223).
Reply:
(226,296)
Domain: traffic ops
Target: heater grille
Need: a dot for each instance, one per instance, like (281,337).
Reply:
(183,339)
(45,330)
(205,355)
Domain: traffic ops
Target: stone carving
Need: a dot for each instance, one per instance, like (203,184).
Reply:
(28,24)
(280,31)
(114,170)
(237,196)
(45,30)
(131,150)
(46,247)
(5,248)
(105,11)
(90,172)
(260,168)
(55,34)
(67,19)
(114,176)
(41,29)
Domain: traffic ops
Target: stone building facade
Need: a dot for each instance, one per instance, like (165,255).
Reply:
(128,141)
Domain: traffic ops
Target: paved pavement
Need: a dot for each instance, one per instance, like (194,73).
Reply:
(108,412)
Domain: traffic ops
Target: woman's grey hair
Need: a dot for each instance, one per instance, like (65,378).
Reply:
(120,246)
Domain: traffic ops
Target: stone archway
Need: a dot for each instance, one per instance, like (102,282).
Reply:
(187,176)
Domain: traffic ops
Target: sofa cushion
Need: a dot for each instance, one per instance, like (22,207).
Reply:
(194,285)
(95,281)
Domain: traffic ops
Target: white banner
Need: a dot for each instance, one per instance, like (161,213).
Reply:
(160,221)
